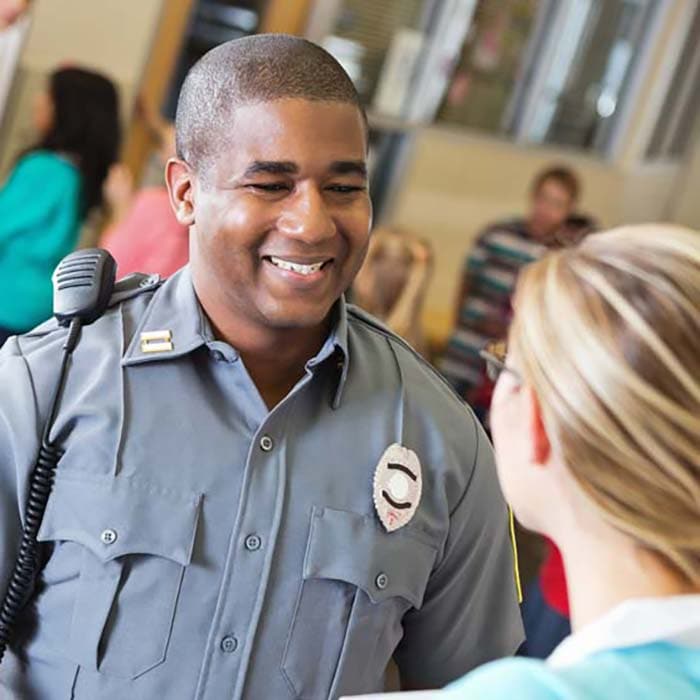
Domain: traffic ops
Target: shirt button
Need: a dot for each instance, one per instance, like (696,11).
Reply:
(218,355)
(381,582)
(108,536)
(229,644)
(266,443)
(253,543)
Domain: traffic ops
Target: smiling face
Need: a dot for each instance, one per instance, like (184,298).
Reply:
(280,219)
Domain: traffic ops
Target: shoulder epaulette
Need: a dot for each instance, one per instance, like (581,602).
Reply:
(126,288)
(375,324)
(132,285)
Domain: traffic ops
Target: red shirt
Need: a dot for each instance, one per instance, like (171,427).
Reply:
(553,580)
(149,239)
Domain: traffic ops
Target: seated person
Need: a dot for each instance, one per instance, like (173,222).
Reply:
(393,281)
(596,417)
(483,309)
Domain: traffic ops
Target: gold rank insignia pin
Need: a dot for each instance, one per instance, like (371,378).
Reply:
(156,341)
(398,484)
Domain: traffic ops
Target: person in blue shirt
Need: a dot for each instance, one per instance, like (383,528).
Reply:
(51,189)
(595,418)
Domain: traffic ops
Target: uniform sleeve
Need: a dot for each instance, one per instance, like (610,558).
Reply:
(470,613)
(32,192)
(19,440)
(524,679)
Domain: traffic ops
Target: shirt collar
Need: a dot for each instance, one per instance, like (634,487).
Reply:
(336,346)
(179,325)
(175,313)
(674,619)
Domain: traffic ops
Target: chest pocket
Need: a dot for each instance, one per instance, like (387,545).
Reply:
(131,544)
(358,582)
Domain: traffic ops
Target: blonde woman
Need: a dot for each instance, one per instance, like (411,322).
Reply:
(596,424)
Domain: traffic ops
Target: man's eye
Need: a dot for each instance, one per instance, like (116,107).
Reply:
(346,189)
(269,186)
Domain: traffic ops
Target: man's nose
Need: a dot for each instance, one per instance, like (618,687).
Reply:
(307,216)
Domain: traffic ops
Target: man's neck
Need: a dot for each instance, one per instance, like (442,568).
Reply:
(276,366)
(275,358)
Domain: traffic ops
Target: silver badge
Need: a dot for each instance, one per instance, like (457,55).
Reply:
(398,484)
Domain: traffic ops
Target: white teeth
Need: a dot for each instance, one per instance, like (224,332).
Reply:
(296,267)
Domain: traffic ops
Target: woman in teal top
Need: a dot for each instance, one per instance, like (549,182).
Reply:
(596,422)
(51,189)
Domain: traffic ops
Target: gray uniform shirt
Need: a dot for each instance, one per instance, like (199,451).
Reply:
(202,546)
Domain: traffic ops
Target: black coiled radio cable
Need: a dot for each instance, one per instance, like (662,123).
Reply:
(26,566)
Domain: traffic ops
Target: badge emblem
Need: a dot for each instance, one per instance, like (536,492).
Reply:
(398,484)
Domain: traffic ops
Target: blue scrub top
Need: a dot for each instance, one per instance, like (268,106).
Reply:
(647,672)
(40,219)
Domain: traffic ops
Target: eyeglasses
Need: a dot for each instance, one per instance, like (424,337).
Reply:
(494,354)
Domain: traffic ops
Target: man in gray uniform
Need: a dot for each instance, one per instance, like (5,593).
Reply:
(263,493)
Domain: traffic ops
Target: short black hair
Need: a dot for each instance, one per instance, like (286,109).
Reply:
(252,70)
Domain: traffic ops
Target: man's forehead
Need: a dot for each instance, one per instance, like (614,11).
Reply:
(293,123)
(291,167)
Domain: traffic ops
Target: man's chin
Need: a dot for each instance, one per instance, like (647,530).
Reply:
(297,318)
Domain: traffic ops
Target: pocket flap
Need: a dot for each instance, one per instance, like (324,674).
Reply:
(113,517)
(350,547)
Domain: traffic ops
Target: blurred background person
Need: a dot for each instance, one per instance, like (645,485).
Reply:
(51,189)
(393,281)
(483,308)
(11,11)
(142,232)
(596,417)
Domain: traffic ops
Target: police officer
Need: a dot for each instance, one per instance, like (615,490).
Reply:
(263,493)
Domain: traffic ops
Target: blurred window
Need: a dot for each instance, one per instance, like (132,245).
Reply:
(489,65)
(212,23)
(11,42)
(677,120)
(360,34)
(549,71)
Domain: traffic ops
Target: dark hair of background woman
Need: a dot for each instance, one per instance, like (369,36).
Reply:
(85,127)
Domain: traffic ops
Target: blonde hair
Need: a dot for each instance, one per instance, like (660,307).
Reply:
(608,335)
(393,282)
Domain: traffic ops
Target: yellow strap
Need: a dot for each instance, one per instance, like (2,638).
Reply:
(516,566)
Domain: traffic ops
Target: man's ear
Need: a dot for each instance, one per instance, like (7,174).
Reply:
(180,181)
(541,447)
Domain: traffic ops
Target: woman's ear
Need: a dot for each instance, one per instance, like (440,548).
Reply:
(541,447)
(180,181)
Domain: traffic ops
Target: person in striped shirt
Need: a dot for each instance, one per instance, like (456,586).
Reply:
(483,308)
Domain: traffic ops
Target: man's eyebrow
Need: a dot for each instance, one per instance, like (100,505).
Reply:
(271,167)
(349,167)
